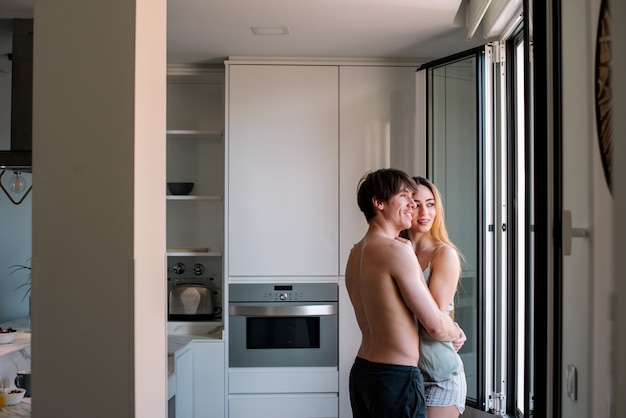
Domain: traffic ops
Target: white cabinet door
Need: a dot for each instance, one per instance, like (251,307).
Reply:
(184,383)
(349,341)
(377,122)
(209,379)
(283,170)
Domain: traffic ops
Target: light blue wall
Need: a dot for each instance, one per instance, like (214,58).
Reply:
(15,248)
(15,220)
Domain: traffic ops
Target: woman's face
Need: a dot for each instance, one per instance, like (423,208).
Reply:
(424,214)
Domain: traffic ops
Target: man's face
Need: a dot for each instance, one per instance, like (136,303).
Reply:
(400,208)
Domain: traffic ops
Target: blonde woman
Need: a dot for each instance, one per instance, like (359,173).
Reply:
(440,260)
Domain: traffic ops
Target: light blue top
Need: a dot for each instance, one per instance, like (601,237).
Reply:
(438,360)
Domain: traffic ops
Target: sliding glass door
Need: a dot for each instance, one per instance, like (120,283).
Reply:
(454,148)
(476,156)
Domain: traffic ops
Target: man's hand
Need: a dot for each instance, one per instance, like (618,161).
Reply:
(403,240)
(458,343)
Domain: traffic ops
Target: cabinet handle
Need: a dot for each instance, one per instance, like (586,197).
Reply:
(300,310)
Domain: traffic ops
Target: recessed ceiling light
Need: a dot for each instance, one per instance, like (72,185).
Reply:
(276,30)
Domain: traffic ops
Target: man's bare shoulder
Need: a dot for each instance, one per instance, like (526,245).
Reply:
(394,249)
(382,243)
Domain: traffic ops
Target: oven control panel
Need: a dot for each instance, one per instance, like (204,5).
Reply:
(282,296)
(296,292)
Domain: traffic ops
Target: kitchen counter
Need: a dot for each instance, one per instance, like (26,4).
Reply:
(21,410)
(20,342)
(180,334)
(13,357)
(22,338)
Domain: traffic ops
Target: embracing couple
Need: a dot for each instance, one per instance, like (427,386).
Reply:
(402,278)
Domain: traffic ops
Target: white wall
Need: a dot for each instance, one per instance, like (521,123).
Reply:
(601,286)
(587,272)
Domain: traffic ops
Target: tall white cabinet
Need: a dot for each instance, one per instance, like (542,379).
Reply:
(377,130)
(283,171)
(299,138)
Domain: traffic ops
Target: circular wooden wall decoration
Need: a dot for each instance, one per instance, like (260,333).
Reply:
(603,91)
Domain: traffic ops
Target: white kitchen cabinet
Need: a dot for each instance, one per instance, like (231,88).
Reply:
(283,149)
(283,392)
(195,153)
(377,130)
(349,341)
(283,171)
(284,406)
(184,397)
(209,379)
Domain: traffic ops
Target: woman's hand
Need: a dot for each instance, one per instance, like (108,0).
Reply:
(458,343)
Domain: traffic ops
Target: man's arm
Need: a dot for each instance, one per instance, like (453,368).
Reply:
(410,280)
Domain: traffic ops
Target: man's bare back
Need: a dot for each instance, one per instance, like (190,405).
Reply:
(389,329)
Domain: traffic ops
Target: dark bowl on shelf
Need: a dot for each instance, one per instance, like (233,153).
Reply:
(180,189)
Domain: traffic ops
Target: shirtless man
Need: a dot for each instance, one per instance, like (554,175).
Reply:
(386,286)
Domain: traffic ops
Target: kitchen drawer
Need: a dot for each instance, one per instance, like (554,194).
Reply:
(293,380)
(300,405)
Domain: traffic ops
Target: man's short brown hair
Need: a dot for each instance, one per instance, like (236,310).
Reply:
(381,184)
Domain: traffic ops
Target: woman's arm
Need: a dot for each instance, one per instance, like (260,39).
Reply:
(445,269)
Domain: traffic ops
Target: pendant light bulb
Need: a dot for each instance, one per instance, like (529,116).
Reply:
(18,182)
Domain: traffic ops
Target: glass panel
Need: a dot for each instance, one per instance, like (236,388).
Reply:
(530,219)
(520,187)
(453,144)
(283,332)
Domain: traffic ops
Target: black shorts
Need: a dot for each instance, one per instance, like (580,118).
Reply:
(386,391)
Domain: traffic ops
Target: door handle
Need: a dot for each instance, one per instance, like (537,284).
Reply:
(568,232)
(273,310)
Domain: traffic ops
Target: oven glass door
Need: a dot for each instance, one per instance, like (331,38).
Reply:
(283,334)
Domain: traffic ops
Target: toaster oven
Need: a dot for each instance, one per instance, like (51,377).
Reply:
(192,300)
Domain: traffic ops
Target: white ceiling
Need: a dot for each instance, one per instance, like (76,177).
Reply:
(209,31)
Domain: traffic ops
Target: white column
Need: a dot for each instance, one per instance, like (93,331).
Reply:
(98,297)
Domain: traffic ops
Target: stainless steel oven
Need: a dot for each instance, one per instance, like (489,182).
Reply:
(283,325)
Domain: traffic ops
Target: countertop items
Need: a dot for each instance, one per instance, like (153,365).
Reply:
(6,336)
(179,336)
(21,339)
(21,409)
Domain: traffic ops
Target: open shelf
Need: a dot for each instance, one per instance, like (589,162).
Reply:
(194,197)
(193,134)
(192,253)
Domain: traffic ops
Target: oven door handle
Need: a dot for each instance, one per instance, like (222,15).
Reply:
(298,310)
